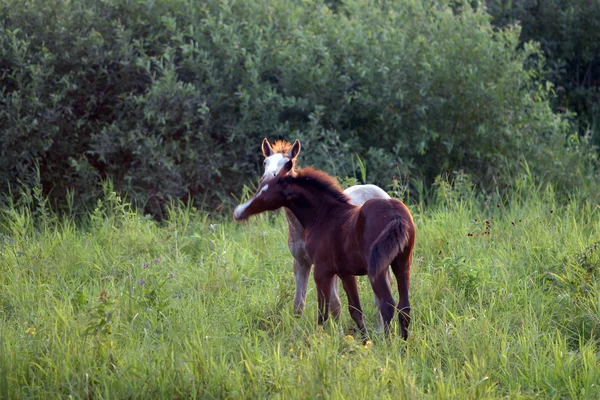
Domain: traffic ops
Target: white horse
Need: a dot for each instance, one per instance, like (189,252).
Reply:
(276,156)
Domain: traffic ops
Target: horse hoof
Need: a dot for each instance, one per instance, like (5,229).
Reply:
(298,311)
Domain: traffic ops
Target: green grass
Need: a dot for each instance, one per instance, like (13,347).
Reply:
(91,310)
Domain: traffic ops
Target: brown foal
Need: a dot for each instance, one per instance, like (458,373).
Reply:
(344,240)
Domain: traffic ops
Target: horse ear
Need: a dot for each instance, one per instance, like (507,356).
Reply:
(295,150)
(266,148)
(285,169)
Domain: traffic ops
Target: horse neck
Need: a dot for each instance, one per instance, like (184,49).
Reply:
(312,207)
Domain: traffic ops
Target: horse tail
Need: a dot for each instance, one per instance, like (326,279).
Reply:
(393,240)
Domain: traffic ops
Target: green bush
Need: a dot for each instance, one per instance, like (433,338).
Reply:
(568,33)
(171,98)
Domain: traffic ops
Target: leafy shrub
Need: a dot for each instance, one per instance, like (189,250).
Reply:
(171,98)
(568,33)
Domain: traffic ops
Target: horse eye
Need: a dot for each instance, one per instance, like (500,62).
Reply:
(265,163)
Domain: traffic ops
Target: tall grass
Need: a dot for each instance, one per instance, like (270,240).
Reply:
(504,292)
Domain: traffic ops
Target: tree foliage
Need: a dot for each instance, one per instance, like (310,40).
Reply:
(570,39)
(172,98)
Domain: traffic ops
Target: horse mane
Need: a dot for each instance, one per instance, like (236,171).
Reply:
(320,180)
(281,146)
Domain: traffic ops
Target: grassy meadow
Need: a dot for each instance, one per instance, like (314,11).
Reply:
(505,303)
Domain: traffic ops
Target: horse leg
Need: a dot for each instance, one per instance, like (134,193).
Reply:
(334,299)
(323,283)
(388,277)
(401,268)
(351,288)
(387,305)
(302,261)
(301,274)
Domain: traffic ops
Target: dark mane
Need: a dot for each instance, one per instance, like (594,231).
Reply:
(281,146)
(320,180)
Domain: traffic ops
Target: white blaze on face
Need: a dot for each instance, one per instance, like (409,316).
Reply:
(273,164)
(264,189)
(239,210)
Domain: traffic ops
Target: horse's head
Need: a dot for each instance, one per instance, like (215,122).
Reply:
(271,195)
(277,156)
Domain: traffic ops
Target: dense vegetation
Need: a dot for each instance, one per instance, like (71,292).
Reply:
(568,33)
(504,295)
(171,98)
